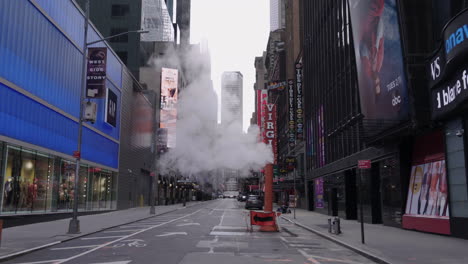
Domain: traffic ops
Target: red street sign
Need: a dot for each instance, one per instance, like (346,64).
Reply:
(262,219)
(76,154)
(364,164)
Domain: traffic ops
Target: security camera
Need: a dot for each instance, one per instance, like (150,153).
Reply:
(459,133)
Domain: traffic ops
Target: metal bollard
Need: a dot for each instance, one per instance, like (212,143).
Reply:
(329,225)
(336,226)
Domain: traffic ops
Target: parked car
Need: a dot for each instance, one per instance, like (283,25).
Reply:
(254,202)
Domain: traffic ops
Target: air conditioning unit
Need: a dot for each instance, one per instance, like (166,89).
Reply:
(90,112)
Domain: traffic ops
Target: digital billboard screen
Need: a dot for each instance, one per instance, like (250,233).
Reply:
(379,59)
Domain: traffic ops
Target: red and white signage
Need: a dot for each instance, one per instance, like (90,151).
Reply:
(262,219)
(364,164)
(269,129)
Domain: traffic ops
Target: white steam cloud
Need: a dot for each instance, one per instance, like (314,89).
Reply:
(202,144)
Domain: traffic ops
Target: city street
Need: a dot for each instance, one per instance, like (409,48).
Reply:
(211,232)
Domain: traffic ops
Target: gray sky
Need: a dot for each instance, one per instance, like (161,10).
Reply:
(237,32)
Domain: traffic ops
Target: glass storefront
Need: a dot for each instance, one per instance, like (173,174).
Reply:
(35,182)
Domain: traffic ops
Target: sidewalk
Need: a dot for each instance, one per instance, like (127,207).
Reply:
(22,239)
(388,244)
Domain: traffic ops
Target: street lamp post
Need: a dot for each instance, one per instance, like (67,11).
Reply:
(74,225)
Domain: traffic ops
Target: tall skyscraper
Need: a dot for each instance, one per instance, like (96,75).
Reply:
(231,98)
(277,14)
(183,20)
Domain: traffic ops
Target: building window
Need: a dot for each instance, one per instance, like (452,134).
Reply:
(122,38)
(123,55)
(120,10)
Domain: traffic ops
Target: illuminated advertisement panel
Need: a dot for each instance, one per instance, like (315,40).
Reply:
(169,94)
(270,129)
(428,191)
(263,102)
(377,45)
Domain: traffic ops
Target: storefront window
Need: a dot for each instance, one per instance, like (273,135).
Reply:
(19,186)
(42,187)
(66,185)
(102,189)
(37,182)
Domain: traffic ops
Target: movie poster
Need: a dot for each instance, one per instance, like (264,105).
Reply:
(169,95)
(379,59)
(319,201)
(428,190)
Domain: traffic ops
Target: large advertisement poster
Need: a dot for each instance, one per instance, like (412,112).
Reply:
(319,200)
(96,73)
(169,95)
(428,193)
(377,44)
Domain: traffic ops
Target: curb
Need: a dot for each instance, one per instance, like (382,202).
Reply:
(27,251)
(346,245)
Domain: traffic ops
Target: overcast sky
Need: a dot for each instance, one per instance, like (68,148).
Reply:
(236,31)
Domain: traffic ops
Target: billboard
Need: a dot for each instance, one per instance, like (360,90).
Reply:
(299,103)
(276,85)
(428,191)
(377,44)
(319,199)
(292,123)
(263,102)
(96,73)
(169,96)
(270,130)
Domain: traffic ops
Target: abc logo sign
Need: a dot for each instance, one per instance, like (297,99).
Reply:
(396,100)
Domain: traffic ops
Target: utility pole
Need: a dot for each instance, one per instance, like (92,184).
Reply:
(74,226)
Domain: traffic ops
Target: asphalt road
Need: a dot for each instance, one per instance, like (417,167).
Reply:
(208,233)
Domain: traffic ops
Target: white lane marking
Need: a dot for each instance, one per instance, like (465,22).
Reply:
(93,238)
(136,226)
(65,248)
(39,262)
(172,234)
(301,245)
(123,238)
(115,262)
(188,224)
(219,233)
(124,230)
(30,250)
(313,258)
(222,219)
(229,227)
